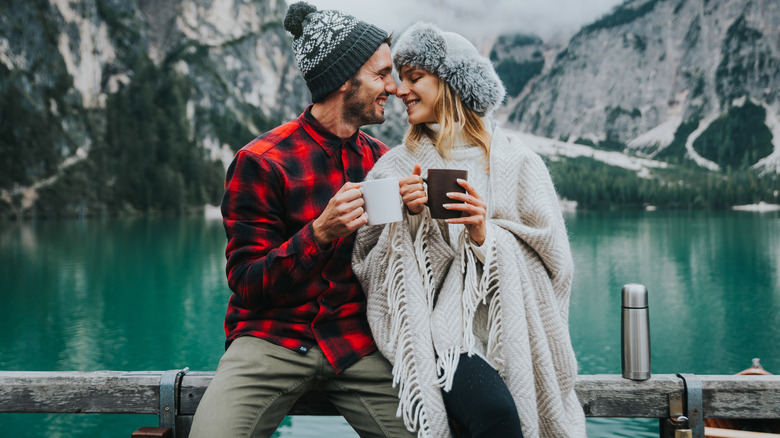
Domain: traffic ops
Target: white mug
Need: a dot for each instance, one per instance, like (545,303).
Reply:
(382,200)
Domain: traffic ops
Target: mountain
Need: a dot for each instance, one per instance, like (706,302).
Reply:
(135,105)
(684,81)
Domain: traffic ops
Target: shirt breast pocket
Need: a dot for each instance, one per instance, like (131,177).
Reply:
(305,198)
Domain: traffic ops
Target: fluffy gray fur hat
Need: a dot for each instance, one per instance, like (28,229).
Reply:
(455,60)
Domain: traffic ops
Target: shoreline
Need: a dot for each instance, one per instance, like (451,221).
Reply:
(761,207)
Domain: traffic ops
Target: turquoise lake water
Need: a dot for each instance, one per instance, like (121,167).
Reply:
(150,294)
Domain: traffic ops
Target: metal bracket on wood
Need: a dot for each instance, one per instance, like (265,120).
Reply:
(170,384)
(694,408)
(676,405)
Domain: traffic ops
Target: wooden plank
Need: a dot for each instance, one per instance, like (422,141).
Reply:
(741,396)
(609,395)
(79,392)
(601,395)
(154,432)
(714,432)
(193,385)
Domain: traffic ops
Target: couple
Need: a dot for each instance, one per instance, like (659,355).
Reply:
(422,326)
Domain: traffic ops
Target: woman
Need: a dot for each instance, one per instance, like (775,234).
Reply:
(472,311)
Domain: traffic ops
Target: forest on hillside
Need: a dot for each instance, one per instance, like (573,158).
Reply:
(146,161)
(733,141)
(142,152)
(595,185)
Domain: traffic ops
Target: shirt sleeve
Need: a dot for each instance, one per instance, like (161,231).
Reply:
(261,261)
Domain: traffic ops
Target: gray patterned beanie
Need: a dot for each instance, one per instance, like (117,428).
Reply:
(455,60)
(329,46)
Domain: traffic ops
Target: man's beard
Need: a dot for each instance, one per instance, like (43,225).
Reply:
(358,109)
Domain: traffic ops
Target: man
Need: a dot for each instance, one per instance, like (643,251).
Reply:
(297,318)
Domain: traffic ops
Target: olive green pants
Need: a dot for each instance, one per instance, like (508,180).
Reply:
(257,382)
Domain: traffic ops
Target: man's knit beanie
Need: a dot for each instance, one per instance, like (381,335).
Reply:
(453,59)
(329,46)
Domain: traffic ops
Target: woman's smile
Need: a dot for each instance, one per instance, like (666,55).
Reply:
(419,90)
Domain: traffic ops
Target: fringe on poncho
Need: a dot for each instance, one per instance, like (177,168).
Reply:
(428,303)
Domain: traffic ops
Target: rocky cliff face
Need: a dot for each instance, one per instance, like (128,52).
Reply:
(77,76)
(138,105)
(679,75)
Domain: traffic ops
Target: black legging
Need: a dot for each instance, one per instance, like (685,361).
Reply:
(480,402)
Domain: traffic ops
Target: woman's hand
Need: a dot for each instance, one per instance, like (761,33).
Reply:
(475,209)
(413,192)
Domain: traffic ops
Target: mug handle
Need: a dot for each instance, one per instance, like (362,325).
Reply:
(425,189)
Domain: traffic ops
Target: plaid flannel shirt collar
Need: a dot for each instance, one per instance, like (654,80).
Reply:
(328,141)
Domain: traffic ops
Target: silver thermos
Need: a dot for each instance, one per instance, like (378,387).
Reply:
(635,333)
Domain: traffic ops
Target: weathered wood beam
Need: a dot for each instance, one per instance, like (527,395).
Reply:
(80,392)
(601,395)
(741,396)
(713,432)
(610,395)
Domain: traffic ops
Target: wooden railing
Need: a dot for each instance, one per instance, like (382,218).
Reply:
(664,396)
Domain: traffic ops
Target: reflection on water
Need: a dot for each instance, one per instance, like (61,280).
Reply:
(150,294)
(713,291)
(712,280)
(113,294)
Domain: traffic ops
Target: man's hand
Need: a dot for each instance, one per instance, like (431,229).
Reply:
(343,215)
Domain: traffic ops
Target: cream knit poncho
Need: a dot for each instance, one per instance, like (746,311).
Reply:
(427,303)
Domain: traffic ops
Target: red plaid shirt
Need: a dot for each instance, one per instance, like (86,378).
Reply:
(286,289)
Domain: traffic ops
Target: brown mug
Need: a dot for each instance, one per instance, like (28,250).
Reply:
(440,182)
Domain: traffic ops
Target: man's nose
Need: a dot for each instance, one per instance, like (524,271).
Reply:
(391,86)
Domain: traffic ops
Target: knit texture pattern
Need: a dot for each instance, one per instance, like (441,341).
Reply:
(426,310)
(329,46)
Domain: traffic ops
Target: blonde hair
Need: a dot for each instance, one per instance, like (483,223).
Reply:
(453,118)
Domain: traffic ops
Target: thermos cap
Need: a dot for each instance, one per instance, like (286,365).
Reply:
(634,295)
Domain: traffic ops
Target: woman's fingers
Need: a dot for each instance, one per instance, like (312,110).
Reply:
(469,188)
(473,210)
(415,202)
(418,196)
(410,185)
(474,206)
(467,200)
(412,191)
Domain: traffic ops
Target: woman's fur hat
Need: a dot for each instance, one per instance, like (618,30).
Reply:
(455,60)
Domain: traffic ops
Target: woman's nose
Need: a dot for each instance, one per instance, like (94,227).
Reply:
(402,90)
